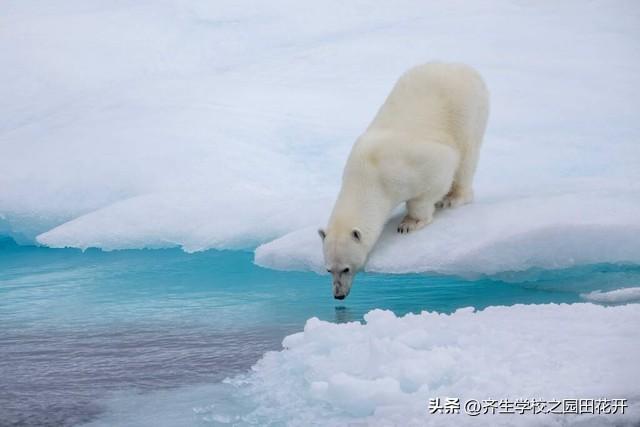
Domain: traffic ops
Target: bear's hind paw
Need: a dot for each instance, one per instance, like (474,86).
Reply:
(453,201)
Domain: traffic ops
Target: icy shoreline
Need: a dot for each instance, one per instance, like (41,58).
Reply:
(385,371)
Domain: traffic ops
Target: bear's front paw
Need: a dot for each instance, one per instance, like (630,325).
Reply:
(409,224)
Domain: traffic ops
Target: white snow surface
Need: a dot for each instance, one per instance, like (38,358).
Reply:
(384,372)
(226,124)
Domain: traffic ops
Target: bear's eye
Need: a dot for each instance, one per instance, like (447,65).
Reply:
(346,270)
(328,270)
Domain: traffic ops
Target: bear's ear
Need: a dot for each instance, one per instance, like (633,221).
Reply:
(356,234)
(322,233)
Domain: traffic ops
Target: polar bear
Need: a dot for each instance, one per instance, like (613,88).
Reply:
(421,148)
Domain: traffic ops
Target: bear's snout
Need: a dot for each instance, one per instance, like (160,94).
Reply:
(339,291)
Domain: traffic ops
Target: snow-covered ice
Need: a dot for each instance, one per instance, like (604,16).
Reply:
(385,371)
(226,125)
(489,237)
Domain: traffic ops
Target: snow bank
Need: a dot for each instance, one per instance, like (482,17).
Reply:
(199,124)
(385,371)
(617,296)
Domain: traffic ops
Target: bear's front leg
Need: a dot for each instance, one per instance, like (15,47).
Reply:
(419,213)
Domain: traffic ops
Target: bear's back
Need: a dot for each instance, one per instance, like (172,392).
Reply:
(433,101)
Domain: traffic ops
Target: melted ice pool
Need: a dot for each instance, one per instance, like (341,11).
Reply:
(148,335)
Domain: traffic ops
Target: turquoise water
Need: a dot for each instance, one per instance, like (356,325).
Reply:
(78,326)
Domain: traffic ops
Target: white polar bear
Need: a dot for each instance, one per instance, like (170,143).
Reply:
(421,148)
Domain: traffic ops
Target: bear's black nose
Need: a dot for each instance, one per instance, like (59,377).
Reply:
(339,297)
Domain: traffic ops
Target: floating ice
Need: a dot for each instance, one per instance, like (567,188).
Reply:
(193,124)
(616,296)
(384,372)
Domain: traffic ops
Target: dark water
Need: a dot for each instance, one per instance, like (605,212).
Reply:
(77,326)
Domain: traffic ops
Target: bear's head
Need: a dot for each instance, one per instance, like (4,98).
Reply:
(344,255)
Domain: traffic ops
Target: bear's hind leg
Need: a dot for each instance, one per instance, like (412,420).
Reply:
(461,191)
(419,213)
(457,196)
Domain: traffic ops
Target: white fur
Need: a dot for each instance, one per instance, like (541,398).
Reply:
(421,148)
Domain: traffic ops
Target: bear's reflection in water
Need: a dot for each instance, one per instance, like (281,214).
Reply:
(344,314)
